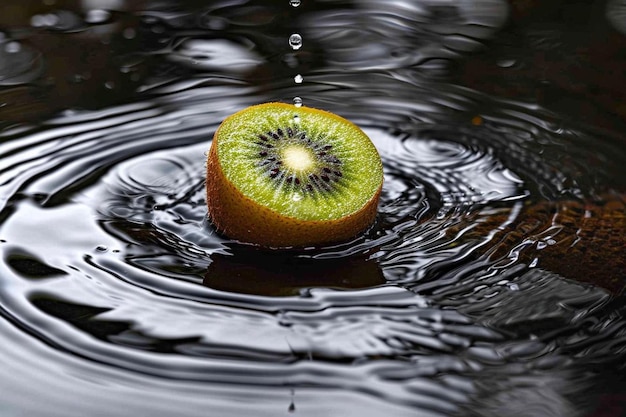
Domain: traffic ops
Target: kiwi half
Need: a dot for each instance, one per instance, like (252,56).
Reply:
(286,176)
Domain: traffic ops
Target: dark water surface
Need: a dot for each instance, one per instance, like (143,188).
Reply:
(490,285)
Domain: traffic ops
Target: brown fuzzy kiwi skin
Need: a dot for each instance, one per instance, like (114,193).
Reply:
(242,219)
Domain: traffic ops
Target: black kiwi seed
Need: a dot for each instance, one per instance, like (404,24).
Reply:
(321,179)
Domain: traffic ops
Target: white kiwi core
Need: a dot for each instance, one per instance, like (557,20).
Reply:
(298,158)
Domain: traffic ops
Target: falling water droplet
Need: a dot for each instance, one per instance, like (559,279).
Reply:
(295,40)
(294,3)
(297,101)
(298,79)
(296,118)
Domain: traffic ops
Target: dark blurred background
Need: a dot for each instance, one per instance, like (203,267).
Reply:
(568,56)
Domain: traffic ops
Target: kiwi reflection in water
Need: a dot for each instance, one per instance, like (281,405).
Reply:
(283,273)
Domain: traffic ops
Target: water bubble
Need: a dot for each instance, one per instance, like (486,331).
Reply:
(297,101)
(298,79)
(295,40)
(296,118)
(13,47)
(97,16)
(109,85)
(101,248)
(294,3)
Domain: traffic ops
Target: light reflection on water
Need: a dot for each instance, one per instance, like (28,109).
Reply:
(118,297)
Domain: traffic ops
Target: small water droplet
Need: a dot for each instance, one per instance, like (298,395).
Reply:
(13,47)
(513,287)
(295,40)
(101,248)
(298,79)
(297,101)
(297,197)
(296,118)
(97,16)
(110,85)
(294,3)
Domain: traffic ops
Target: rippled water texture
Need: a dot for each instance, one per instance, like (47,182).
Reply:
(490,285)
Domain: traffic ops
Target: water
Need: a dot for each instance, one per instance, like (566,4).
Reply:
(490,285)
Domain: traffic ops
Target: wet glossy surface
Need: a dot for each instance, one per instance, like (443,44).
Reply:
(490,285)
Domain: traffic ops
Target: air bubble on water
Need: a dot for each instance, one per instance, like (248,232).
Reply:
(297,101)
(298,79)
(295,40)
(13,47)
(294,3)
(97,16)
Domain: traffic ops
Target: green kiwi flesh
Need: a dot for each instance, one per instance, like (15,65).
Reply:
(303,163)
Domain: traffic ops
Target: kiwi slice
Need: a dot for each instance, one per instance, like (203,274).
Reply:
(286,176)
